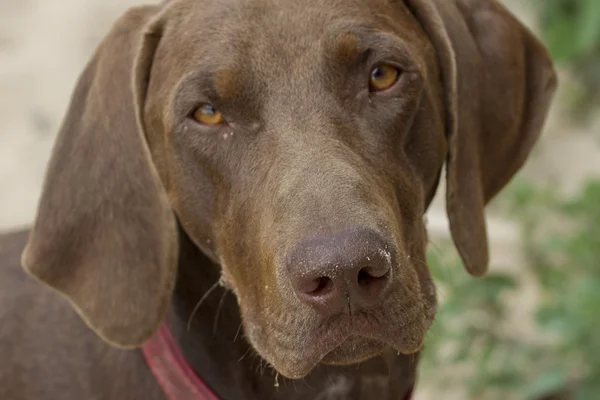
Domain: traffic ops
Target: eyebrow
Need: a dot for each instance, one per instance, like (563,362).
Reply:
(347,48)
(189,86)
(224,86)
(355,44)
(201,77)
(226,82)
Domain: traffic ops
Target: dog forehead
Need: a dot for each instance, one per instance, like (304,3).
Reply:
(268,42)
(266,49)
(259,28)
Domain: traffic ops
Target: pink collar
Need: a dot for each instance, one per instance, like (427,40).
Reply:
(172,372)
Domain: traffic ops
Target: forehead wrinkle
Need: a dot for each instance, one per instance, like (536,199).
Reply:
(386,44)
(226,82)
(271,46)
(347,40)
(346,48)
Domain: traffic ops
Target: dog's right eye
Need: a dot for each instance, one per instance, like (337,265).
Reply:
(207,114)
(383,77)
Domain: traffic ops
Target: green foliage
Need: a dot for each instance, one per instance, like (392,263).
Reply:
(473,332)
(475,340)
(571,29)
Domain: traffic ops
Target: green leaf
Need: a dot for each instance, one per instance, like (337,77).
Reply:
(589,390)
(589,34)
(548,383)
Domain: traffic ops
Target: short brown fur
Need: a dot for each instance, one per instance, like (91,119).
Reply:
(143,210)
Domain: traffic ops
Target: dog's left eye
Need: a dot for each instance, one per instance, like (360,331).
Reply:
(207,114)
(383,77)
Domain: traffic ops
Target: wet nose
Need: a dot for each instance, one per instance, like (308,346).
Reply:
(351,268)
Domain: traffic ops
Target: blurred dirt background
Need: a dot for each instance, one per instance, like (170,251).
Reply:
(44,45)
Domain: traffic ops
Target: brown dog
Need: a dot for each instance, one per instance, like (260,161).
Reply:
(287,150)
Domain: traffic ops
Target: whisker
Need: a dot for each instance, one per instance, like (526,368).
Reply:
(216,322)
(195,310)
(446,269)
(261,367)
(245,354)
(238,332)
(433,332)
(420,261)
(442,260)
(436,247)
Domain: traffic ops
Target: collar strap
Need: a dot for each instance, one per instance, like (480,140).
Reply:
(172,372)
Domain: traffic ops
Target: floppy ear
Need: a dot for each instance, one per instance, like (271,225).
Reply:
(105,235)
(499,82)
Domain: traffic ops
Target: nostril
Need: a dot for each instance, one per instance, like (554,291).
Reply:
(350,269)
(368,276)
(321,286)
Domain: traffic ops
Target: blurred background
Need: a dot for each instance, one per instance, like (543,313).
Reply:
(530,330)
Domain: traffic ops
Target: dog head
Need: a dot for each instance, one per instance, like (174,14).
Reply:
(298,145)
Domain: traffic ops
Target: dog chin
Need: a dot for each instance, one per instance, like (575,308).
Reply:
(338,347)
(354,350)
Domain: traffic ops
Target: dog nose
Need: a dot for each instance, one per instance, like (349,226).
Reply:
(351,268)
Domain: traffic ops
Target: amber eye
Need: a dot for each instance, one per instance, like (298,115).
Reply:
(383,77)
(208,115)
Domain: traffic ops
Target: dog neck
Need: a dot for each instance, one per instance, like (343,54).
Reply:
(212,342)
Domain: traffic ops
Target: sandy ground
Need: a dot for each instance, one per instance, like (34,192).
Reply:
(44,45)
